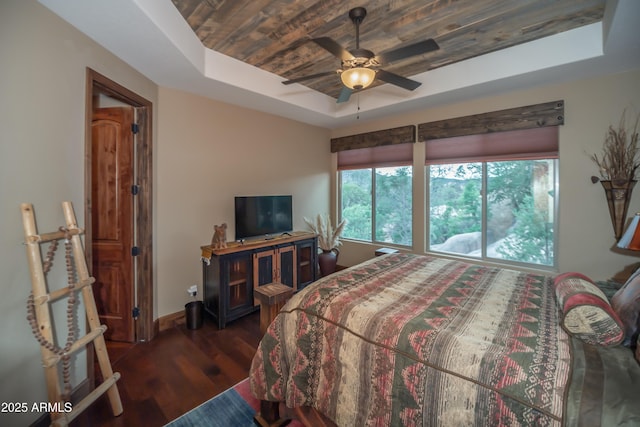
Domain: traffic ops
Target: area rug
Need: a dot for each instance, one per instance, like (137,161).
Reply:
(234,407)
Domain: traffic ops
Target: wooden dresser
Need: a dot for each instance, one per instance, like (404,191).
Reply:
(230,275)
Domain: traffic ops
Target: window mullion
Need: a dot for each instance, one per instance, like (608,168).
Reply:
(483,193)
(373,205)
(340,214)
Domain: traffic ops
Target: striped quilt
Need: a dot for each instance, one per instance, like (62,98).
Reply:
(408,340)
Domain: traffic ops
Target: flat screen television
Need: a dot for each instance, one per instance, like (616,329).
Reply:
(263,216)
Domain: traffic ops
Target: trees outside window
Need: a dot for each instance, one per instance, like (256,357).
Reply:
(357,203)
(377,204)
(512,220)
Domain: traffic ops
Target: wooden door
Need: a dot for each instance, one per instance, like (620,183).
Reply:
(112,219)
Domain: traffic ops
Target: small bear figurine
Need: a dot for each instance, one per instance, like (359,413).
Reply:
(219,239)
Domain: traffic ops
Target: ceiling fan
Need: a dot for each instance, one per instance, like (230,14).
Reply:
(360,67)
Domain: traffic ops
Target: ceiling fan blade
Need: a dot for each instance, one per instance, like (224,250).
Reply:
(419,48)
(397,80)
(344,96)
(309,77)
(334,48)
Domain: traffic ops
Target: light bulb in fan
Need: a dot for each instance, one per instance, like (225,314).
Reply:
(358,78)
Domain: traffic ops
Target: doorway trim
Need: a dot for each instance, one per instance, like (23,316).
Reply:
(97,84)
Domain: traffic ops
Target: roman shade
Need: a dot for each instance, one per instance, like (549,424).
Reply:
(382,156)
(527,144)
(387,147)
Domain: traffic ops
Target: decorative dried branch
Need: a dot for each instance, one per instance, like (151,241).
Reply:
(620,152)
(328,236)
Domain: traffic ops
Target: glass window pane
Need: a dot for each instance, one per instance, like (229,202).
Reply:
(520,211)
(356,203)
(394,205)
(455,208)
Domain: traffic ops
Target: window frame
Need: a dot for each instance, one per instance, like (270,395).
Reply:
(373,205)
(529,117)
(483,258)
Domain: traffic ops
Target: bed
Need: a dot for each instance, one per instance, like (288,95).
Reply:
(414,340)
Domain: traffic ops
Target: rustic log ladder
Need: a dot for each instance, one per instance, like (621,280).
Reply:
(62,414)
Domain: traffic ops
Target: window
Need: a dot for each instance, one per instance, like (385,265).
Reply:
(357,203)
(376,193)
(377,202)
(494,203)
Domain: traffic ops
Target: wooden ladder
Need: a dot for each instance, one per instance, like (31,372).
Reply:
(61,414)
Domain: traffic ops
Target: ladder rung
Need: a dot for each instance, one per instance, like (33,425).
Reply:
(59,293)
(71,233)
(56,235)
(78,345)
(92,397)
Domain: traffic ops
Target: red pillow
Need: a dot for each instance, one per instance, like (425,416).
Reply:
(586,312)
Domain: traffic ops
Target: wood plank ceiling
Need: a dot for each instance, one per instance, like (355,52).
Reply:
(274,35)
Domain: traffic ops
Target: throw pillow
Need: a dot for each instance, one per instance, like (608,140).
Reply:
(586,312)
(626,303)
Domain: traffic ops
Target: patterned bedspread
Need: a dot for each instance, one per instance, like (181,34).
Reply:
(420,341)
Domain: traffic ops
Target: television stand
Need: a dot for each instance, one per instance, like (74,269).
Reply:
(232,274)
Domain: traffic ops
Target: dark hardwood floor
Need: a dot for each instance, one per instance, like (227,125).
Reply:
(175,372)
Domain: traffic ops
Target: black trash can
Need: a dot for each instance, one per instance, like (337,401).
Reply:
(193,313)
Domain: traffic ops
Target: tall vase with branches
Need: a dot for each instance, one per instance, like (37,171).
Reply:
(618,163)
(328,241)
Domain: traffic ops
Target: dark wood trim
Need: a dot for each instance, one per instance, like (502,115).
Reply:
(170,321)
(115,90)
(96,84)
(399,135)
(144,223)
(531,116)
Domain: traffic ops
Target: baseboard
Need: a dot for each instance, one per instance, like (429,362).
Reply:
(171,320)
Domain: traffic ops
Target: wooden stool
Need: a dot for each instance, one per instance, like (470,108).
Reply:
(272,298)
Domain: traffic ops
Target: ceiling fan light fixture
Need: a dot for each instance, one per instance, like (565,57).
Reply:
(358,78)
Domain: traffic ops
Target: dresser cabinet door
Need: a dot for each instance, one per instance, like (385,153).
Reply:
(286,269)
(307,262)
(237,272)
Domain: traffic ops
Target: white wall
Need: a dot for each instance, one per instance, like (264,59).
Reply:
(209,152)
(585,232)
(42,131)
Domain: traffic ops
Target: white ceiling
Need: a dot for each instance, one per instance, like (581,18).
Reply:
(152,37)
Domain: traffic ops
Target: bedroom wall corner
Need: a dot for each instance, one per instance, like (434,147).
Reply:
(42,128)
(209,152)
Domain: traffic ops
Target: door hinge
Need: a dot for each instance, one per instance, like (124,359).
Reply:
(135,312)
(135,189)
(135,128)
(135,251)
